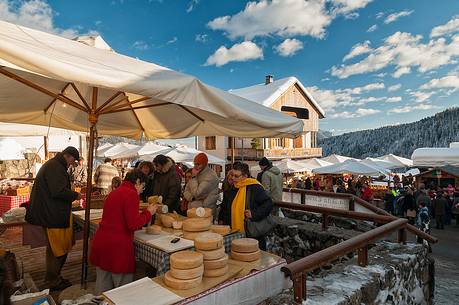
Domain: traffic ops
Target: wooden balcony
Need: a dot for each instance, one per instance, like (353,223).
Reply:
(278,153)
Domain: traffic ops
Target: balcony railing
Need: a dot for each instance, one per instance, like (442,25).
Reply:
(277,153)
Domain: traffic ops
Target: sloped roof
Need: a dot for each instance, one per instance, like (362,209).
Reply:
(452,170)
(266,95)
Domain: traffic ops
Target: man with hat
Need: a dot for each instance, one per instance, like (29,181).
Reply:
(271,179)
(51,208)
(202,189)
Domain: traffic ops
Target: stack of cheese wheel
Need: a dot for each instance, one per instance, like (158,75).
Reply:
(199,212)
(194,226)
(245,250)
(210,245)
(221,229)
(186,270)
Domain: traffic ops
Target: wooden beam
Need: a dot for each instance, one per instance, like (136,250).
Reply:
(135,108)
(54,99)
(137,118)
(115,105)
(80,96)
(128,104)
(94,98)
(109,101)
(41,89)
(191,112)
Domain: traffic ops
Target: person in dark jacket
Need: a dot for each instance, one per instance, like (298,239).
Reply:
(51,207)
(229,192)
(252,202)
(439,204)
(148,169)
(308,183)
(166,183)
(409,206)
(389,199)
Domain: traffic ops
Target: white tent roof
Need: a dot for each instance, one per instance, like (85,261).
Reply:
(267,94)
(68,79)
(122,150)
(288,166)
(184,154)
(400,161)
(334,158)
(351,167)
(435,157)
(314,163)
(454,145)
(102,149)
(379,163)
(11,150)
(151,148)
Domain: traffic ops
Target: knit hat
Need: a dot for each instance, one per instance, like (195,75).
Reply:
(201,158)
(73,152)
(264,162)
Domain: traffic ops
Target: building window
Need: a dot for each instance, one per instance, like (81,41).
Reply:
(211,143)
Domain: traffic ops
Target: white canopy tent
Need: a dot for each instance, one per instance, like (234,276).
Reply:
(334,158)
(435,157)
(52,81)
(288,166)
(314,163)
(100,152)
(397,160)
(379,163)
(351,167)
(152,148)
(184,154)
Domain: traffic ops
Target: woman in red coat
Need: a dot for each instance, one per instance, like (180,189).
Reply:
(113,244)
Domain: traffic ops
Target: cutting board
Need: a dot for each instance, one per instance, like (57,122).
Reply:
(164,243)
(144,237)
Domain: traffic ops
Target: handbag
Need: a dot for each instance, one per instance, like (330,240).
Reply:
(257,228)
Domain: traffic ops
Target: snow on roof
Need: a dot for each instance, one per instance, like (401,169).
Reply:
(266,95)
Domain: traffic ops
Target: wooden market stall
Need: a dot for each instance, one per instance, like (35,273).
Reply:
(439,176)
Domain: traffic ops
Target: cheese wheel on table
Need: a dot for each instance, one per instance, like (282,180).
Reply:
(212,254)
(192,212)
(208,241)
(197,224)
(192,235)
(245,257)
(186,260)
(153,229)
(245,245)
(179,284)
(216,263)
(216,272)
(177,225)
(167,220)
(220,229)
(187,274)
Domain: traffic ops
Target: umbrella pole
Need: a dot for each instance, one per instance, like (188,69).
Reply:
(84,267)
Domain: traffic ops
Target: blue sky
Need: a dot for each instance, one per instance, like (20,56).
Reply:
(369,63)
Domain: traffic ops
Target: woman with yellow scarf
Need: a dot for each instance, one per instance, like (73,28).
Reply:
(252,202)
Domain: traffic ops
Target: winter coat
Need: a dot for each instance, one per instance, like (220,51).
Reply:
(225,207)
(104,175)
(272,182)
(259,202)
(113,244)
(424,199)
(148,190)
(51,197)
(202,190)
(409,203)
(167,184)
(439,205)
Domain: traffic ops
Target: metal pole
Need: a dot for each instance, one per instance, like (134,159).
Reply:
(242,151)
(233,143)
(45,144)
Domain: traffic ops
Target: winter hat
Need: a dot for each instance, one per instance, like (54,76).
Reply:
(264,162)
(201,158)
(70,150)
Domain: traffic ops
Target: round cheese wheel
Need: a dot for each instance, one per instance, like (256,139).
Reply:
(179,284)
(158,220)
(216,263)
(192,213)
(186,260)
(208,241)
(153,229)
(192,235)
(152,199)
(221,229)
(187,274)
(213,254)
(177,225)
(245,257)
(196,224)
(164,208)
(167,220)
(216,272)
(244,245)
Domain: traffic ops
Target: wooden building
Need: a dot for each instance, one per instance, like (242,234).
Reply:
(439,176)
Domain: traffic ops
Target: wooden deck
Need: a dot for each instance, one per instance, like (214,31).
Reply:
(32,261)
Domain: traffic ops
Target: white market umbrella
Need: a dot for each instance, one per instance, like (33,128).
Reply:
(53,81)
(102,149)
(287,166)
(152,148)
(379,163)
(314,163)
(122,150)
(400,161)
(334,158)
(351,167)
(184,154)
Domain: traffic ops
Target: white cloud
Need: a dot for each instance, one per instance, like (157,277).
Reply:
(451,27)
(140,45)
(35,14)
(394,87)
(450,81)
(243,51)
(407,109)
(342,115)
(372,28)
(191,5)
(361,112)
(173,40)
(358,49)
(201,38)
(364,112)
(404,51)
(289,47)
(394,99)
(285,18)
(421,96)
(381,75)
(380,15)
(393,17)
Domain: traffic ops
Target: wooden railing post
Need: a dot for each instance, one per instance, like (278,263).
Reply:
(325,220)
(401,236)
(362,256)
(351,204)
(303,198)
(299,287)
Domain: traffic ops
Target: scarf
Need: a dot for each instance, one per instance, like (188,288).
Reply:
(238,207)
